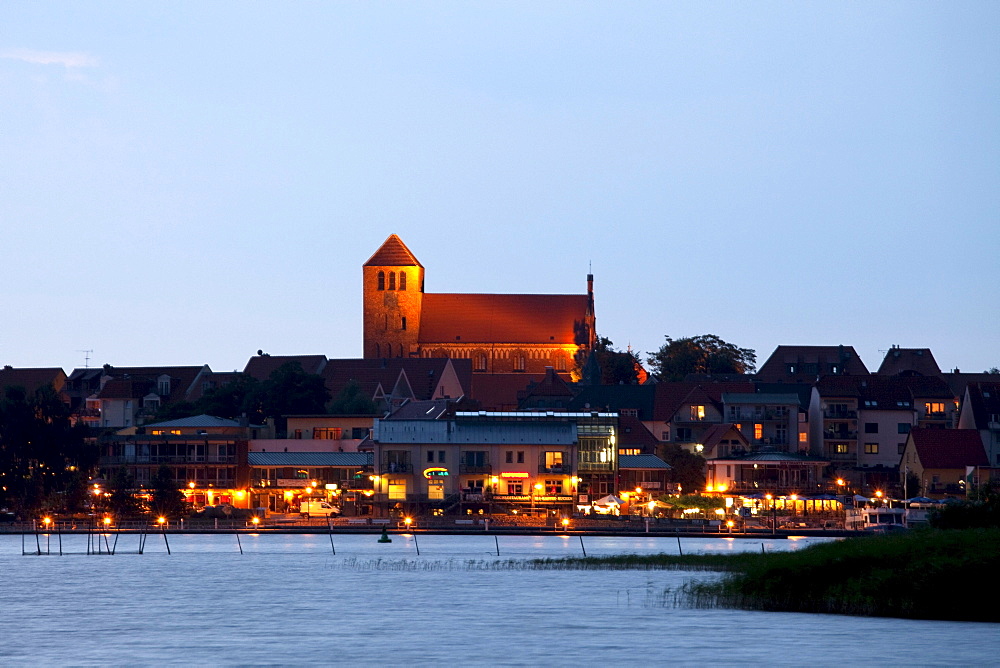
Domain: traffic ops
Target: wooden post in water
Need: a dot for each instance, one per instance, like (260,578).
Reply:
(329,527)
(679,550)
(238,543)
(416,544)
(581,545)
(165,541)
(497,541)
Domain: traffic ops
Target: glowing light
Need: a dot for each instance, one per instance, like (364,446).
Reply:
(255,520)
(435,472)
(107,521)
(408,521)
(47,520)
(565,522)
(840,481)
(730,524)
(539,486)
(720,511)
(240,494)
(878,493)
(191,485)
(721,488)
(161,520)
(638,490)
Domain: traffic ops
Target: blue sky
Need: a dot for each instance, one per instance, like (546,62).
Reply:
(188,182)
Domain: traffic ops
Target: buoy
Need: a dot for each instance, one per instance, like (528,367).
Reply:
(385,537)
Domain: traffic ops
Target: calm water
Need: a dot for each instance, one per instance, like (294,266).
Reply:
(287,600)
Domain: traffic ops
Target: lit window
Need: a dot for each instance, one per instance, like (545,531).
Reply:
(553,486)
(629,451)
(931,408)
(841,448)
(871,448)
(697,413)
(803,437)
(397,490)
(758,431)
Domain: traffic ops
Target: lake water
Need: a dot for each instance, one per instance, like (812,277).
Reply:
(288,600)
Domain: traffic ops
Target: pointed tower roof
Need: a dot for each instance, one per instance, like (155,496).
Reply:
(393,253)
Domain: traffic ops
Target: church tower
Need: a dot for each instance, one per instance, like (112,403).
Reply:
(393,281)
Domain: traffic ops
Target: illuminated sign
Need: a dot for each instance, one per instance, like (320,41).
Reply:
(514,474)
(435,472)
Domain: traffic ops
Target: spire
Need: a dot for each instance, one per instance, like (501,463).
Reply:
(393,253)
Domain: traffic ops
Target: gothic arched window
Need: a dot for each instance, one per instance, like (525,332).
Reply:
(402,280)
(381,280)
(392,280)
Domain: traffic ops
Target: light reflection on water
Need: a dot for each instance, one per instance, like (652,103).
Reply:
(289,600)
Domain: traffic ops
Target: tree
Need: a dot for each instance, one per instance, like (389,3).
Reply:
(351,401)
(288,391)
(980,511)
(688,468)
(42,454)
(122,488)
(700,354)
(618,367)
(166,498)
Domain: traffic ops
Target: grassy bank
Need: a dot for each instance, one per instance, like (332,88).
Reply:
(920,574)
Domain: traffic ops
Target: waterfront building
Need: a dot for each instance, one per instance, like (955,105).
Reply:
(981,411)
(430,458)
(946,462)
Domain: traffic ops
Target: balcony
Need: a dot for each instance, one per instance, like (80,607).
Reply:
(111,460)
(840,415)
(396,467)
(840,435)
(473,468)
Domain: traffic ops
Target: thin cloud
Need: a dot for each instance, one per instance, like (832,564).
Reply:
(68,59)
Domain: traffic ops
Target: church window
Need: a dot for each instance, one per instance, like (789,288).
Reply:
(560,363)
(402,322)
(378,350)
(400,349)
(402,280)
(480,362)
(519,362)
(392,280)
(381,280)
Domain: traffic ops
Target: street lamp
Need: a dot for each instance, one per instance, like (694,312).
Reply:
(538,487)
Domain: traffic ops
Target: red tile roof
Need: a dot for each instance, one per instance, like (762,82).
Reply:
(632,433)
(262,366)
(671,397)
(775,369)
(474,318)
(499,391)
(904,360)
(948,448)
(125,389)
(422,373)
(393,253)
(31,379)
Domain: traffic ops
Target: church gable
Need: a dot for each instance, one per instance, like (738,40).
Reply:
(393,253)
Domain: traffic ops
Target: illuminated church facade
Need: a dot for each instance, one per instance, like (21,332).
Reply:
(499,333)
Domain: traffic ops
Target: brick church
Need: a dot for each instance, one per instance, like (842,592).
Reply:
(498,333)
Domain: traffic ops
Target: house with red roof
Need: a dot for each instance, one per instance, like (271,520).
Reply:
(499,333)
(946,461)
(981,411)
(33,379)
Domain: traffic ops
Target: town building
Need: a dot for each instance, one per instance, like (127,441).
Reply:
(981,411)
(946,462)
(433,459)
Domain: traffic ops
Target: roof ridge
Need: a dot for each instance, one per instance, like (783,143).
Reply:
(393,253)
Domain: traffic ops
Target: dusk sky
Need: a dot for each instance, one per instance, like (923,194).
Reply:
(188,182)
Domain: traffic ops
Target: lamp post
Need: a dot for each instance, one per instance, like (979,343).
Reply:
(538,487)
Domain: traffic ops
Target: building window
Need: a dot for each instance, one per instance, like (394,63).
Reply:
(934,408)
(430,456)
(397,490)
(392,280)
(435,490)
(509,457)
(402,280)
(520,456)
(479,362)
(560,362)
(697,413)
(629,451)
(553,462)
(803,437)
(441,456)
(683,435)
(903,428)
(519,362)
(871,427)
(515,487)
(758,431)
(871,448)
(327,433)
(630,412)
(841,448)
(900,448)
(381,280)
(553,486)
(298,433)
(402,322)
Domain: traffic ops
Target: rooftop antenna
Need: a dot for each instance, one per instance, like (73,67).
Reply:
(86,357)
